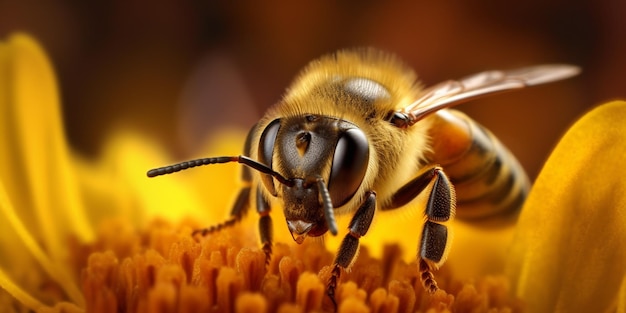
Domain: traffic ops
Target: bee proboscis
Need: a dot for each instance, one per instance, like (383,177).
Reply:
(356,133)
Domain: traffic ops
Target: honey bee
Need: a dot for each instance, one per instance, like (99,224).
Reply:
(356,133)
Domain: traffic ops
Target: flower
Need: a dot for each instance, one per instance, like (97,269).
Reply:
(568,254)
(36,175)
(80,235)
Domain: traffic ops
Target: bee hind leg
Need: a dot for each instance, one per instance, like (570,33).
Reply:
(431,253)
(359,225)
(440,207)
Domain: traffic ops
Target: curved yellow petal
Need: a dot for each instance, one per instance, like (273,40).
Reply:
(7,244)
(54,269)
(18,293)
(569,252)
(35,160)
(35,169)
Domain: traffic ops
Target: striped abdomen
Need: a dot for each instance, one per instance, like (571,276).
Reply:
(489,181)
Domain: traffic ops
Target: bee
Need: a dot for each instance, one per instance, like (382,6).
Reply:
(356,133)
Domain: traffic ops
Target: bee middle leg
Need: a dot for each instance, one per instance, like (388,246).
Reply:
(439,208)
(359,226)
(242,205)
(265,225)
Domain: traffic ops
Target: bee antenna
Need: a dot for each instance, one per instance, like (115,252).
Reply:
(329,213)
(216,160)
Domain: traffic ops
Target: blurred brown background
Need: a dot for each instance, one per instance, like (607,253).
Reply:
(179,70)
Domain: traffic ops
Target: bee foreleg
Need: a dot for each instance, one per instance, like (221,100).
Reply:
(349,247)
(265,225)
(440,207)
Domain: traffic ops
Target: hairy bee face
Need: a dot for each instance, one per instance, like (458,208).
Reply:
(304,149)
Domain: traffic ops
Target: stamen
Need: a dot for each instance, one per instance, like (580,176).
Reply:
(310,292)
(228,274)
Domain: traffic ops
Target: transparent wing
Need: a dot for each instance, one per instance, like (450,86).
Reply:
(453,92)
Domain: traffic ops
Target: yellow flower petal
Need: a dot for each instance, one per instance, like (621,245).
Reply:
(6,159)
(57,271)
(18,292)
(569,252)
(35,170)
(34,157)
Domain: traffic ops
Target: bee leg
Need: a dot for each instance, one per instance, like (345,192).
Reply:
(265,225)
(431,253)
(242,204)
(359,225)
(440,207)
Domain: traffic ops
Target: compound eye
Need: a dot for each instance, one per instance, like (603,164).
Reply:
(349,166)
(266,152)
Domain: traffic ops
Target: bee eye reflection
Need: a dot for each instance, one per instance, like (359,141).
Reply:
(349,166)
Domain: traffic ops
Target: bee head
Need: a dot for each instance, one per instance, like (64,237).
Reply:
(309,151)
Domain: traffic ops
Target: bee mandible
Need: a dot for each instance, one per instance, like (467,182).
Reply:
(356,133)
